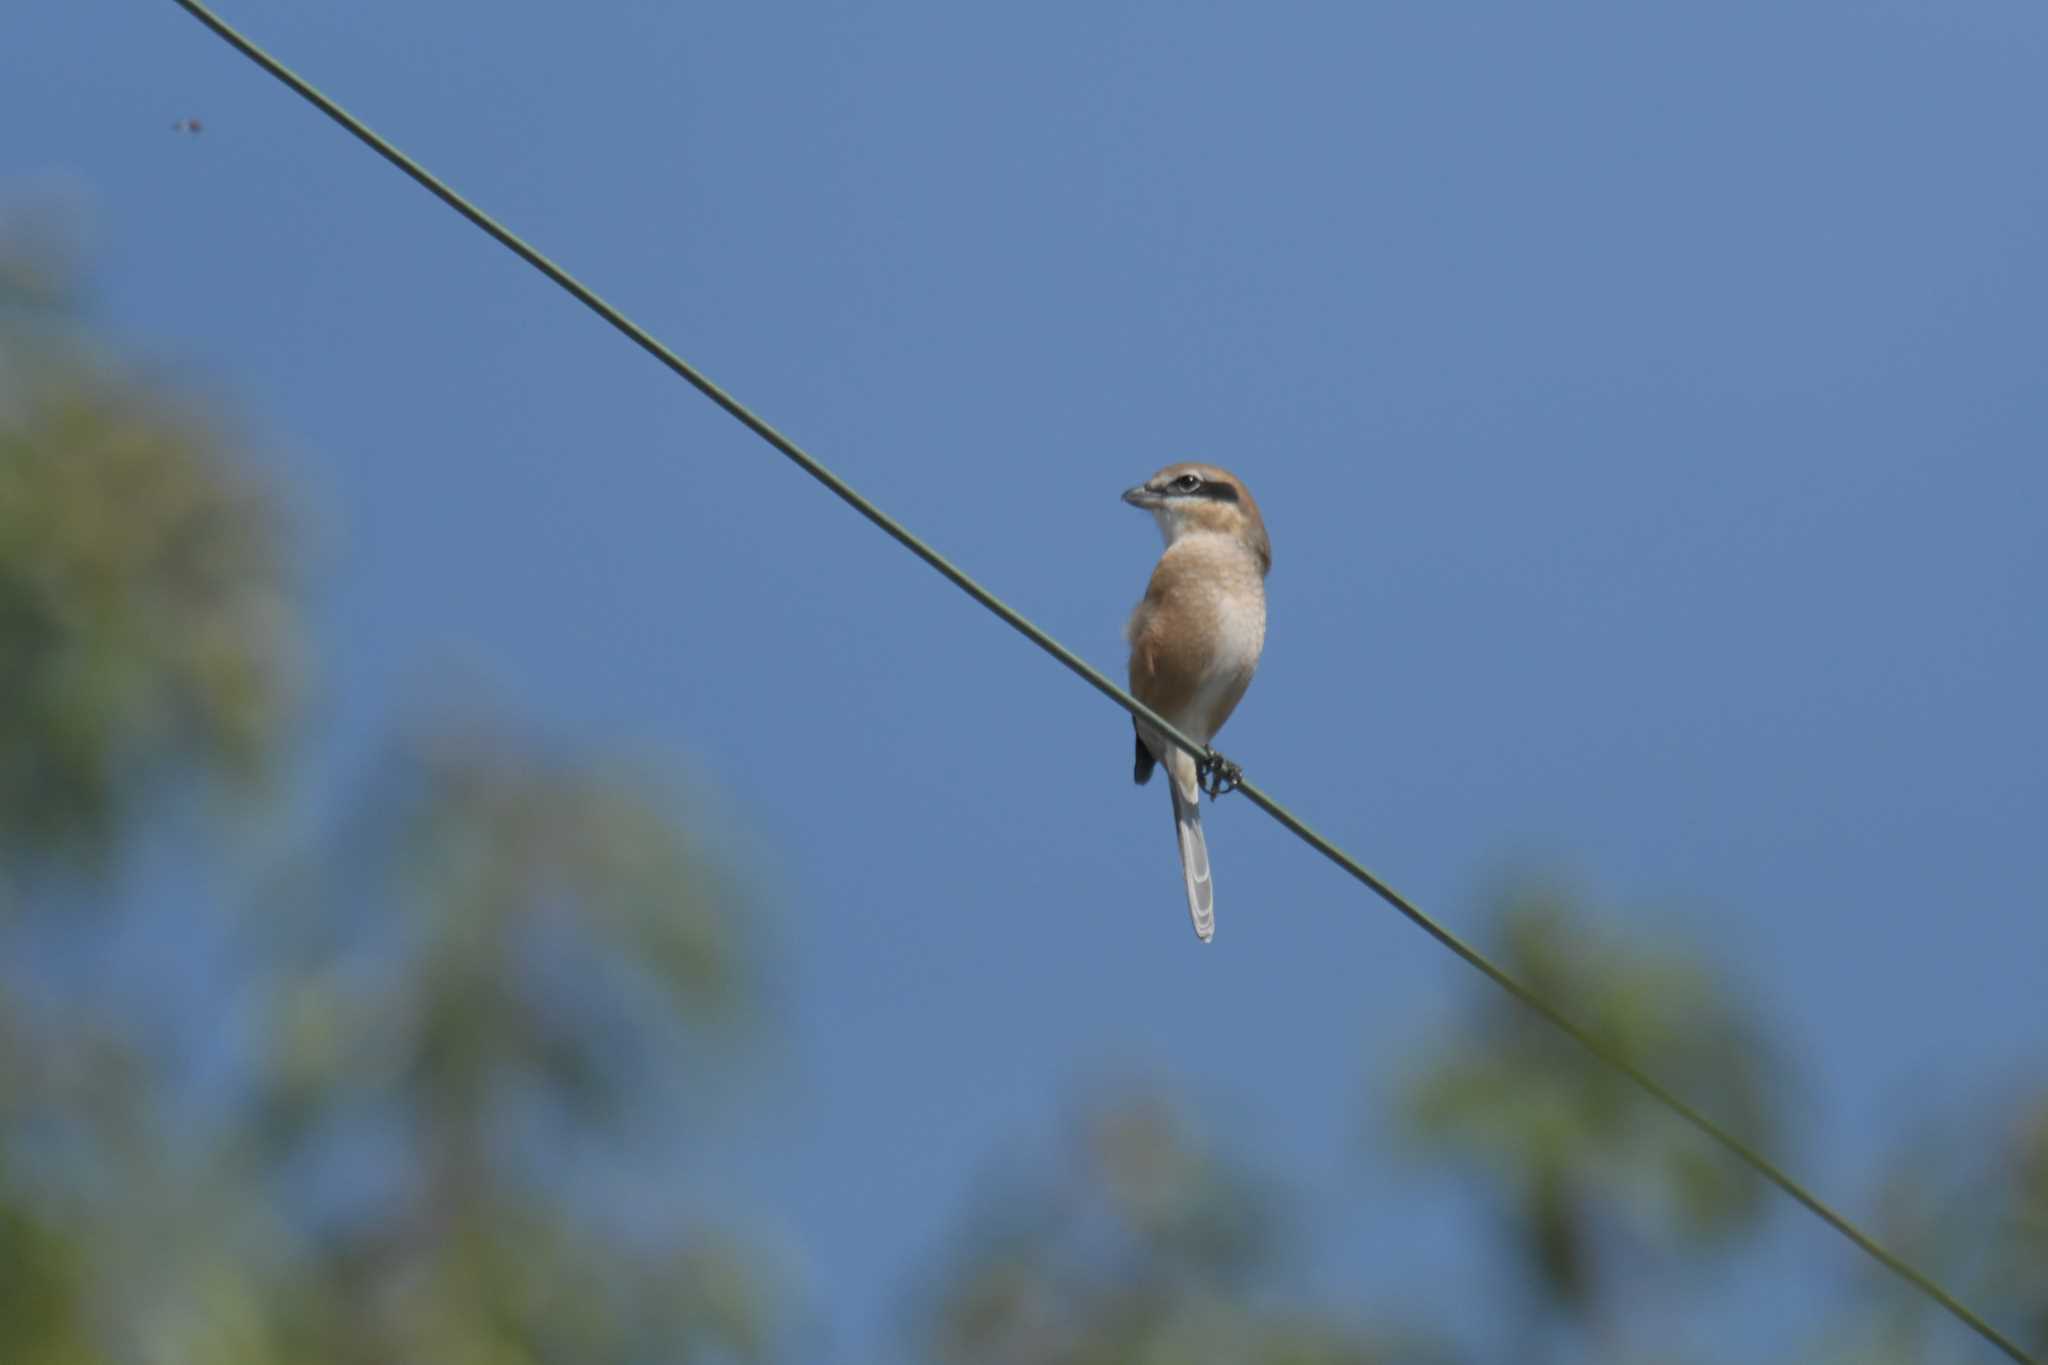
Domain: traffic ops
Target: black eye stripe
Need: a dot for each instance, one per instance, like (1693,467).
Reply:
(1219,492)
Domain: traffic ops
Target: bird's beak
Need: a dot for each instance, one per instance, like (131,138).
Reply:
(1142,496)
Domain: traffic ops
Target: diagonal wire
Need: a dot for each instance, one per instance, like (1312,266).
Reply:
(640,337)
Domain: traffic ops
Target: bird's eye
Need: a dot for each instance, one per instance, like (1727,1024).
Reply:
(1188,483)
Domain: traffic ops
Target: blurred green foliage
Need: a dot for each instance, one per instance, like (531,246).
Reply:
(442,1037)
(1141,1247)
(1965,1197)
(2021,1267)
(508,961)
(447,950)
(144,625)
(39,1293)
(1590,1170)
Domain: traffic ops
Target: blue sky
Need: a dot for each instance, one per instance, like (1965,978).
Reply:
(1647,403)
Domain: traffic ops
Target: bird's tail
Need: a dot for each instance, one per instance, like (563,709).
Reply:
(1194,860)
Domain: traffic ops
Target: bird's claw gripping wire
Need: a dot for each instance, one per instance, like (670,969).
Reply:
(1217,775)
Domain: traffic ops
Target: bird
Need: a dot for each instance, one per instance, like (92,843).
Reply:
(1195,640)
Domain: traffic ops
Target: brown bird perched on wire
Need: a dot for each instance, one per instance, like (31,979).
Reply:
(1195,639)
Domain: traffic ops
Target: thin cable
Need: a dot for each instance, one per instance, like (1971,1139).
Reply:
(1472,957)
(640,337)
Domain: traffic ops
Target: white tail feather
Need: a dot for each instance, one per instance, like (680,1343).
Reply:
(1194,863)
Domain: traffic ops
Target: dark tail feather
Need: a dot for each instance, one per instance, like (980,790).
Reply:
(1141,767)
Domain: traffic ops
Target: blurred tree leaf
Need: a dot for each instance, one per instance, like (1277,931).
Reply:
(143,626)
(1570,1143)
(496,925)
(40,271)
(512,957)
(392,1138)
(89,1148)
(2020,1270)
(1144,1247)
(41,1318)
(1978,1224)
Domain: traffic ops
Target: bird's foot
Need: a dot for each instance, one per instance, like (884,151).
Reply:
(1217,775)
